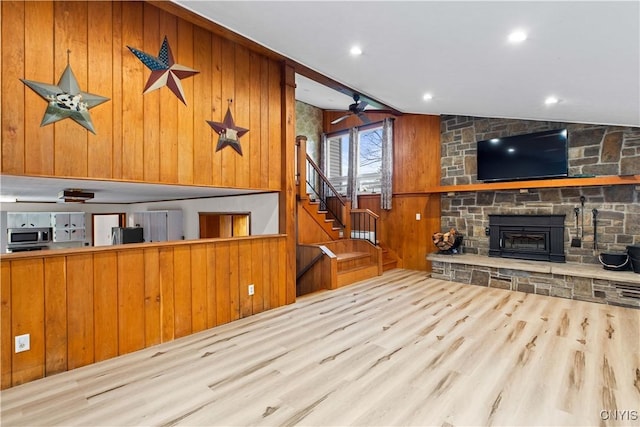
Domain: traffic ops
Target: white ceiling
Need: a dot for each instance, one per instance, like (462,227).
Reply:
(33,189)
(586,53)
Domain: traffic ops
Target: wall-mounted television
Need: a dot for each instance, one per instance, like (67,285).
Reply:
(531,156)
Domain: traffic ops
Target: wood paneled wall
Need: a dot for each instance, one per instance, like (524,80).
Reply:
(90,306)
(152,137)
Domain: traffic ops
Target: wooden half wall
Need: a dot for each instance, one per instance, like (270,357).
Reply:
(150,137)
(84,306)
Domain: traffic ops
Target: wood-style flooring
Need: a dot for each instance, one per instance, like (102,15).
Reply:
(400,349)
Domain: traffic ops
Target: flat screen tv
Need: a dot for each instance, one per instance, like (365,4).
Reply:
(531,156)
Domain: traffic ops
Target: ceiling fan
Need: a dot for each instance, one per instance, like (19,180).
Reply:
(357,109)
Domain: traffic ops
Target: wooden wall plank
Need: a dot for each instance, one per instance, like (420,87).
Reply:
(152,298)
(275,125)
(242,114)
(134,75)
(6,335)
(254,134)
(234,281)
(212,304)
(228,155)
(169,105)
(117,104)
(274,297)
(267,266)
(130,301)
(13,91)
(264,124)
(245,278)
(27,317)
(257,273)
(184,56)
(55,312)
(202,101)
(167,309)
(283,287)
(38,60)
(151,100)
(99,150)
(199,267)
(218,105)
(105,305)
(70,139)
(80,332)
(182,290)
(223,292)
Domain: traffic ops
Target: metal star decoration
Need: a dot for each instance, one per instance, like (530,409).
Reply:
(164,70)
(229,133)
(66,100)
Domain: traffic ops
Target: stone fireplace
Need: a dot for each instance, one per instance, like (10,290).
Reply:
(530,237)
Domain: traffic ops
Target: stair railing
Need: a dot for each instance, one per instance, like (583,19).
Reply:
(322,190)
(364,225)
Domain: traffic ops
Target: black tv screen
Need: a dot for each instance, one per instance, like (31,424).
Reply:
(530,156)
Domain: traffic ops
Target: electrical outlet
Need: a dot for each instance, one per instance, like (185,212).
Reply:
(418,217)
(22,343)
(251,289)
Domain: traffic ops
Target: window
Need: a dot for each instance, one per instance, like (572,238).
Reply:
(369,162)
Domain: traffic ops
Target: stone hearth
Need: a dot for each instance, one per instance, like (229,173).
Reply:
(566,280)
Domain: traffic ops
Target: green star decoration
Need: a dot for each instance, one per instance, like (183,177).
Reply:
(66,100)
(229,133)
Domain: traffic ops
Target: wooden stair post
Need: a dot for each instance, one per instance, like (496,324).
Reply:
(301,175)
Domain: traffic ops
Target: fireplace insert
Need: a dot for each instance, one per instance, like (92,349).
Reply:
(531,237)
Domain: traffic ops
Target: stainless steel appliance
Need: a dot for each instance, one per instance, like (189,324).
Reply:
(122,235)
(28,238)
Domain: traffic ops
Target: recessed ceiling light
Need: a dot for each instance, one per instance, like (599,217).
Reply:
(551,100)
(356,51)
(511,150)
(517,36)
(427,97)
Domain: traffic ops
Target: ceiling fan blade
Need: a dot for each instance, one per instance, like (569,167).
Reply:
(364,118)
(362,105)
(339,119)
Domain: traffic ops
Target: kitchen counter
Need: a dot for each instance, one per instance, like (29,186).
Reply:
(91,249)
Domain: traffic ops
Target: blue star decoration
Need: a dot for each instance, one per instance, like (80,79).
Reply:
(66,100)
(229,133)
(164,70)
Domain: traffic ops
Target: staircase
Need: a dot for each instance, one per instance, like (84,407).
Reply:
(350,251)
(321,217)
(390,259)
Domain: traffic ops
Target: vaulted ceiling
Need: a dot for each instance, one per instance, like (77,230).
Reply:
(584,53)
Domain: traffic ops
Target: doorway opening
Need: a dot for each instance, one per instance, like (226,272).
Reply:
(102,225)
(224,224)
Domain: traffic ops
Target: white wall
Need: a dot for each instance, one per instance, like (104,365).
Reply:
(263,208)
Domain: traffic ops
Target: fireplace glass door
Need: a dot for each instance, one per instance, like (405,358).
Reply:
(524,240)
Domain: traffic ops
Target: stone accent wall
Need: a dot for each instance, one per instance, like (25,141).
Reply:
(556,285)
(309,124)
(594,149)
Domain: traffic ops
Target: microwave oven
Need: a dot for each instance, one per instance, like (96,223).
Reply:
(19,237)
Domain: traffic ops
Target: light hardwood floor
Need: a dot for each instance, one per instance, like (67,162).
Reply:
(400,349)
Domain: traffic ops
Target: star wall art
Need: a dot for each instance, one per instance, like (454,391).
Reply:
(66,100)
(164,70)
(229,133)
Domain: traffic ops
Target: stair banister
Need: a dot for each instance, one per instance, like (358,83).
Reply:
(301,174)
